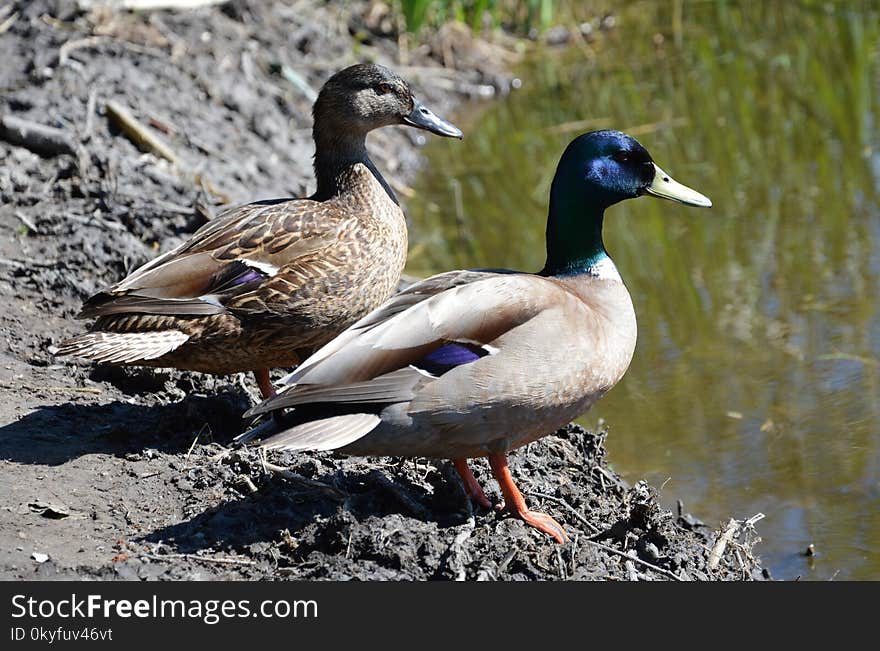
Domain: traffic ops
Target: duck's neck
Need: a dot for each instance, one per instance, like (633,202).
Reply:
(337,149)
(574,233)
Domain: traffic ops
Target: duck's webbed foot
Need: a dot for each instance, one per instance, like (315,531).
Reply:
(515,504)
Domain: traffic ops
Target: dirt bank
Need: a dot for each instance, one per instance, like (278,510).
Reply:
(126,473)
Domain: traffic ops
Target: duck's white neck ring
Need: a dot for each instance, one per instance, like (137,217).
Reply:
(604,269)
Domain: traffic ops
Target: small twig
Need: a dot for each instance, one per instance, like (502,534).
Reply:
(68,47)
(93,220)
(149,5)
(91,104)
(263,460)
(204,559)
(245,482)
(195,440)
(138,133)
(30,262)
(31,387)
(721,544)
(506,560)
(571,509)
(9,22)
(26,221)
(299,82)
(305,481)
(631,573)
(635,559)
(458,541)
(752,520)
(40,139)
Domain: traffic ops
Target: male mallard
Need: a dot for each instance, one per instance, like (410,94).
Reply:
(477,363)
(267,283)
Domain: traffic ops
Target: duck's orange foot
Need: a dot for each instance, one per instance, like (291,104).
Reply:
(515,504)
(472,487)
(542,522)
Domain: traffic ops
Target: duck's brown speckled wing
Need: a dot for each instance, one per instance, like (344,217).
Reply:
(229,263)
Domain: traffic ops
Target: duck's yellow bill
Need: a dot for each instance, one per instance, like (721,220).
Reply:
(666,187)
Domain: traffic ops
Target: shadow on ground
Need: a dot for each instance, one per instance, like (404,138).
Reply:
(55,434)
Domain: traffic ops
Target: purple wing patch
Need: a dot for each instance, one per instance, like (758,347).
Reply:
(236,277)
(448,356)
(249,276)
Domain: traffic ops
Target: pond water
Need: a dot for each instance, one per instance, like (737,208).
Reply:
(756,381)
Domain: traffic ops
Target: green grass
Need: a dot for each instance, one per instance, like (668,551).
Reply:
(516,15)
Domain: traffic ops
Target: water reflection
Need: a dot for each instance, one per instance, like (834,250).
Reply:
(756,381)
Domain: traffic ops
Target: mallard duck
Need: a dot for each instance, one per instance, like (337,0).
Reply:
(264,284)
(478,363)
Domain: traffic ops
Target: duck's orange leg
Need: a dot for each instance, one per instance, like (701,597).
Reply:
(516,505)
(266,388)
(471,485)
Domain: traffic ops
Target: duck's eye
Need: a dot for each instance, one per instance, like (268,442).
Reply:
(622,156)
(384,88)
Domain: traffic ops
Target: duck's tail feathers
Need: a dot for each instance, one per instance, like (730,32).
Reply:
(123,347)
(321,434)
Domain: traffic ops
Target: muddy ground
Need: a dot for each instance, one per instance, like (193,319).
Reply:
(131,474)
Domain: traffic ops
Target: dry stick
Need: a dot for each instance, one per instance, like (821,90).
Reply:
(506,560)
(31,387)
(298,82)
(69,46)
(6,24)
(304,481)
(568,506)
(458,541)
(196,557)
(91,390)
(193,445)
(147,141)
(27,222)
(149,5)
(721,544)
(90,115)
(635,559)
(138,133)
(40,139)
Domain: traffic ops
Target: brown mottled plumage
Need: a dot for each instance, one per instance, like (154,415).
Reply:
(266,283)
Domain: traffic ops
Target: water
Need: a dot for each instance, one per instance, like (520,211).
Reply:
(756,381)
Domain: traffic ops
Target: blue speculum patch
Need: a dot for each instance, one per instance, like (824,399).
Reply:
(448,356)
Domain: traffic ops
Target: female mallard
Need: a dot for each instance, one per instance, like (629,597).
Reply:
(477,363)
(265,284)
